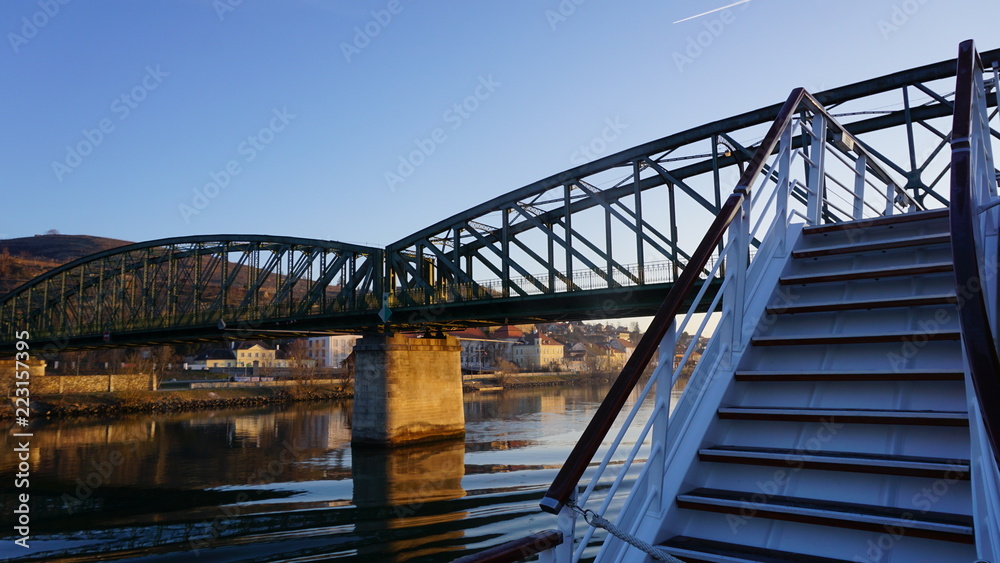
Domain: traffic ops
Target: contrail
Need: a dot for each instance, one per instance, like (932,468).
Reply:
(713,11)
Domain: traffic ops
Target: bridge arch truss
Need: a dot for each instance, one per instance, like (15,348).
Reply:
(604,239)
(620,224)
(195,285)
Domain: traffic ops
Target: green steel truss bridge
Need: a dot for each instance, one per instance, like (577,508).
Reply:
(602,240)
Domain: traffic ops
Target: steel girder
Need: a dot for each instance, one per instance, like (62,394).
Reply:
(214,283)
(622,220)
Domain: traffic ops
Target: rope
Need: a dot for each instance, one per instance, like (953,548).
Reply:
(597,521)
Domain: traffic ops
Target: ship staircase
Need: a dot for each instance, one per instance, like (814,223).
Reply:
(847,406)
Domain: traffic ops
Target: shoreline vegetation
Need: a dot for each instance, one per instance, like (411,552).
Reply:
(74,405)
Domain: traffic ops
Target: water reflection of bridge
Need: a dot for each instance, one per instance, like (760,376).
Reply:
(403,493)
(97,482)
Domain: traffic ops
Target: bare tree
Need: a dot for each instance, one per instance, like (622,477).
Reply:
(300,366)
(163,357)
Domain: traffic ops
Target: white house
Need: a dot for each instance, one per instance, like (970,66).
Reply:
(330,351)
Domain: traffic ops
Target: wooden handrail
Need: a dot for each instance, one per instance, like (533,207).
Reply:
(569,475)
(516,550)
(980,350)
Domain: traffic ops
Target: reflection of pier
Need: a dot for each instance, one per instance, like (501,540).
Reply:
(403,481)
(400,508)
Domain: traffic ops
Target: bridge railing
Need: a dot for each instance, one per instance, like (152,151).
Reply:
(659,272)
(808,170)
(975,215)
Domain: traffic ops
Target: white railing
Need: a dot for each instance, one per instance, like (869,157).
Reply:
(807,171)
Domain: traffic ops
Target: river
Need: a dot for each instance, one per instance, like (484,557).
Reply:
(282,483)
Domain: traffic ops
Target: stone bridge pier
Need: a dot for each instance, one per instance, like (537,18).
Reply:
(407,390)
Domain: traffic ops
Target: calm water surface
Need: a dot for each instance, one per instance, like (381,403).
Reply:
(284,484)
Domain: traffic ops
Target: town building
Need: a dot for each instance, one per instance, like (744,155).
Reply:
(538,351)
(330,351)
(482,353)
(623,345)
(214,358)
(254,354)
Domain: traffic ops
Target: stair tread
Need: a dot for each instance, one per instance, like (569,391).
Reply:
(855,338)
(830,511)
(885,303)
(874,273)
(919,240)
(684,545)
(850,375)
(946,414)
(862,462)
(857,416)
(877,221)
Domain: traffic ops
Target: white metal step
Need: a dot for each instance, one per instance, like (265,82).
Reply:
(868,273)
(930,525)
(830,340)
(851,416)
(851,375)
(876,222)
(859,462)
(924,240)
(846,305)
(697,550)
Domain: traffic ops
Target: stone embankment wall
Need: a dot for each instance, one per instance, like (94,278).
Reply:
(279,383)
(49,384)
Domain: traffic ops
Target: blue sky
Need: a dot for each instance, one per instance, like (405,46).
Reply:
(118,114)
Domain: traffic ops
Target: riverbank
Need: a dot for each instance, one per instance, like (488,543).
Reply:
(133,402)
(55,406)
(516,381)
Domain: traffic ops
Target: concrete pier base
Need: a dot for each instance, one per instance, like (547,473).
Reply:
(407,390)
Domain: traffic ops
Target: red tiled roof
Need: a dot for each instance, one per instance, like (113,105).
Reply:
(507,332)
(470,333)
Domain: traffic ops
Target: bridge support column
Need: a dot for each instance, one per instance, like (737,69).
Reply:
(407,390)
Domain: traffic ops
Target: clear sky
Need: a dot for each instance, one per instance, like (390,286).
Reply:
(118,115)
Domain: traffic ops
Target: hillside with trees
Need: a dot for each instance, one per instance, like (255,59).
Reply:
(22,259)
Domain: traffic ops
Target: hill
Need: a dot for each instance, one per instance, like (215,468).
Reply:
(22,259)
